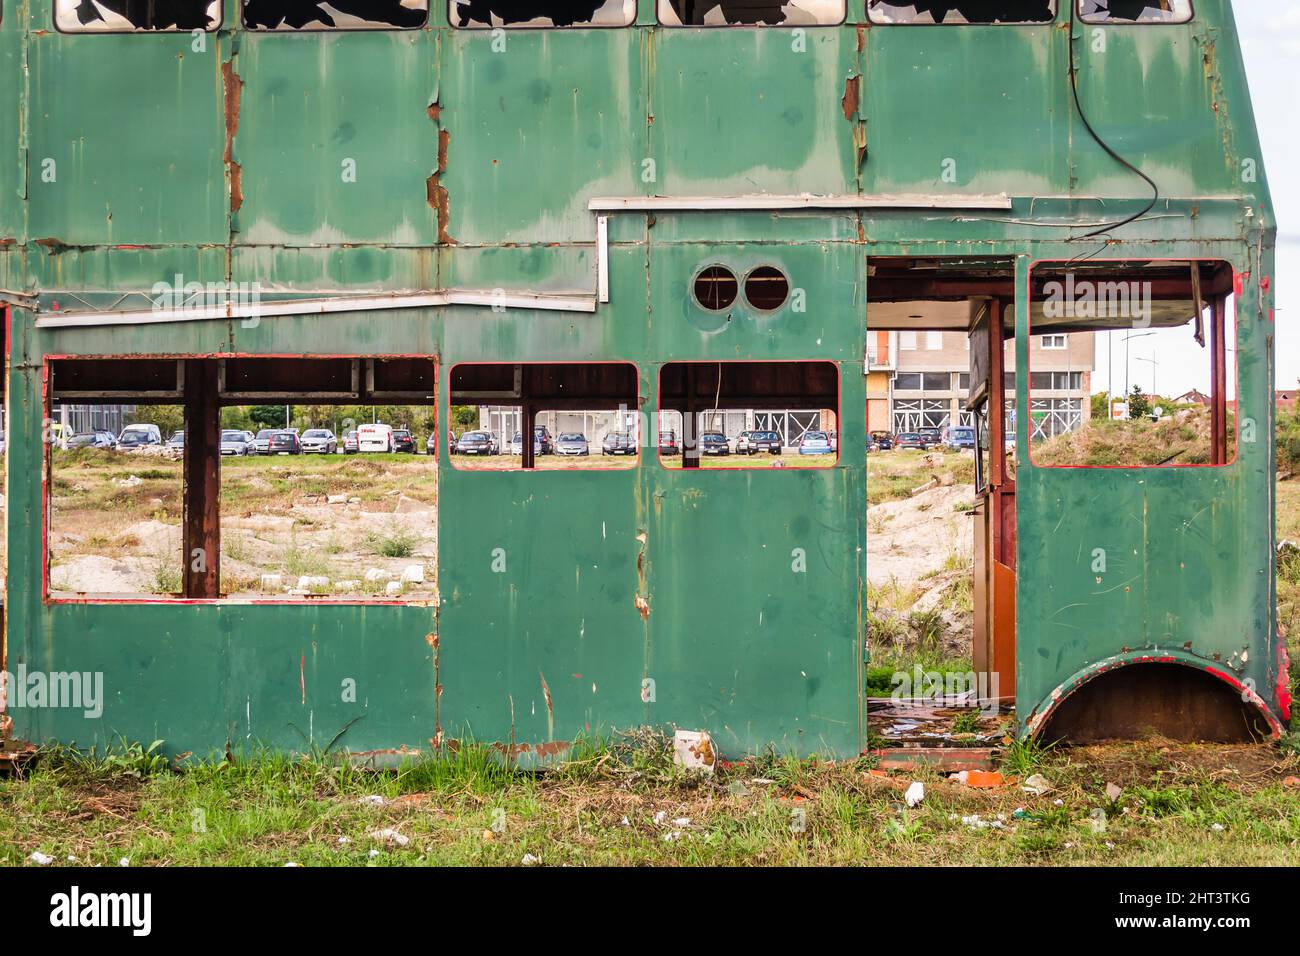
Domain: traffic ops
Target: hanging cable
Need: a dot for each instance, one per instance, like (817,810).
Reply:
(1074,89)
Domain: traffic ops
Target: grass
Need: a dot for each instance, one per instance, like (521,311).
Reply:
(623,802)
(393,542)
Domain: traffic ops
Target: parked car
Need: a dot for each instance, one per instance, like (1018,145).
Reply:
(319,441)
(376,437)
(234,443)
(404,441)
(542,435)
(668,443)
(572,443)
(959,437)
(474,443)
(883,440)
(835,440)
(261,443)
(431,444)
(285,442)
(933,436)
(517,444)
(137,437)
(714,443)
(350,443)
(618,443)
(99,438)
(911,440)
(750,443)
(815,443)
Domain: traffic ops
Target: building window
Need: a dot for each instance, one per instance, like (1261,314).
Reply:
(933,341)
(1056,381)
(936,381)
(907,381)
(1135,11)
(1054,341)
(907,341)
(962,11)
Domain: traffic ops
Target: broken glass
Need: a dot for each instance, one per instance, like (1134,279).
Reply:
(489,14)
(335,14)
(962,11)
(1135,11)
(737,13)
(129,16)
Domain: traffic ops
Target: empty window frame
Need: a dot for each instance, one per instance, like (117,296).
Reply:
(961,11)
(583,416)
(335,14)
(1135,11)
(136,16)
(540,14)
(748,414)
(210,478)
(750,13)
(1147,377)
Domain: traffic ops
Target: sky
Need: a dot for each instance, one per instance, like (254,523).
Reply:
(1270,39)
(1169,360)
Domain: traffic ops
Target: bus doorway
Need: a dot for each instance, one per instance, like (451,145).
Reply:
(941,506)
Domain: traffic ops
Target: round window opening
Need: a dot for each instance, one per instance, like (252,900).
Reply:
(767,288)
(715,288)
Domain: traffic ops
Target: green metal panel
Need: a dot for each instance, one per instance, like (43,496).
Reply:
(324,161)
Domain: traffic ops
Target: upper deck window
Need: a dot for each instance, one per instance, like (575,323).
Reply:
(750,13)
(1135,11)
(335,14)
(962,11)
(523,14)
(136,16)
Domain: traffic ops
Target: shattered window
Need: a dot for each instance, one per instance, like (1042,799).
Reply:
(749,13)
(129,16)
(335,14)
(487,14)
(1135,11)
(962,11)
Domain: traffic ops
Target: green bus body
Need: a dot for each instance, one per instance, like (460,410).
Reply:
(227,160)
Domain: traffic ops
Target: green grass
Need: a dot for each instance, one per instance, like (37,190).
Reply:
(619,802)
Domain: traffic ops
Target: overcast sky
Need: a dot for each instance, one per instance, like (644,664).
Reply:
(1270,39)
(1169,362)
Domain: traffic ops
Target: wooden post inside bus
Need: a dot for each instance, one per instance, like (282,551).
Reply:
(994,646)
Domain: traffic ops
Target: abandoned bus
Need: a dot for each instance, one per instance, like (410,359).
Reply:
(620,221)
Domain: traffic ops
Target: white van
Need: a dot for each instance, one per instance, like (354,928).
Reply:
(374,438)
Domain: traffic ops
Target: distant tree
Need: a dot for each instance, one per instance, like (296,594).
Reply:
(1101,405)
(463,417)
(168,418)
(1138,404)
(268,416)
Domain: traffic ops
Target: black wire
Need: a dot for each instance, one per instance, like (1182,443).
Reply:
(1074,88)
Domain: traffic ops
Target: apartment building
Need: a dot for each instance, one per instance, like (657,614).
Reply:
(919,379)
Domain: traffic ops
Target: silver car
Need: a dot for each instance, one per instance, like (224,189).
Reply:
(319,441)
(234,443)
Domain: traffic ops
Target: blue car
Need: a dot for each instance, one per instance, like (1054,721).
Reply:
(815,443)
(959,437)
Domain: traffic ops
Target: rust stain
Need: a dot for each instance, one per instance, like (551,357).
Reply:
(302,676)
(436,192)
(852,93)
(232,87)
(435,111)
(862,37)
